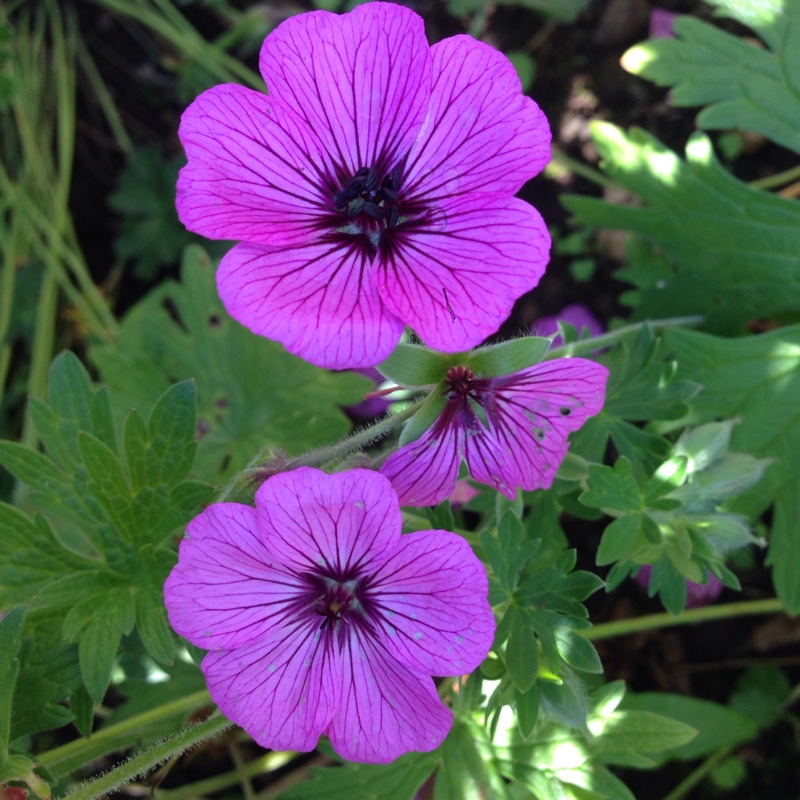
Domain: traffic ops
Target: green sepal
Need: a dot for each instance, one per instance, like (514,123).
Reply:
(508,357)
(428,414)
(414,366)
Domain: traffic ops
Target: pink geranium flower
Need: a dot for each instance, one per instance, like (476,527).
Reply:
(511,430)
(372,189)
(321,618)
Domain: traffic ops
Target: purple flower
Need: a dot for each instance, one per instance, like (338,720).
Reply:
(372,189)
(697,594)
(511,430)
(321,618)
(575,314)
(662,23)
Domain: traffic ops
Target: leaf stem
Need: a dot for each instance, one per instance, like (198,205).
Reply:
(697,775)
(624,627)
(239,484)
(61,761)
(612,337)
(562,161)
(779,179)
(149,759)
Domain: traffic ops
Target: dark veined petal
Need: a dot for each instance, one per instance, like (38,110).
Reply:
(386,709)
(340,523)
(361,80)
(531,415)
(430,600)
(481,134)
(316,300)
(424,472)
(253,171)
(226,590)
(284,689)
(455,279)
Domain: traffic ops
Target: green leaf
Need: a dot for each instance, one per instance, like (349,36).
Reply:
(620,538)
(509,550)
(151,235)
(509,357)
(82,707)
(151,621)
(613,487)
(527,707)
(415,366)
(522,651)
(49,673)
(399,780)
(467,771)
(741,84)
(642,386)
(756,379)
(98,623)
(718,726)
(732,248)
(639,732)
(10,640)
(251,392)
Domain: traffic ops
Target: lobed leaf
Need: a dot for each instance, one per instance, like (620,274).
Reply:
(741,84)
(758,380)
(732,249)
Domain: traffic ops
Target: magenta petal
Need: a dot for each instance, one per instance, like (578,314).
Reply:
(424,472)
(455,283)
(432,600)
(342,522)
(532,415)
(282,690)
(386,710)
(361,80)
(481,134)
(226,591)
(252,171)
(316,300)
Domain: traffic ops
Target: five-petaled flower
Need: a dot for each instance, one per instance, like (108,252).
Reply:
(511,430)
(372,189)
(321,618)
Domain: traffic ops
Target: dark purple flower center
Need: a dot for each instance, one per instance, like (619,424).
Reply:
(336,601)
(459,381)
(369,200)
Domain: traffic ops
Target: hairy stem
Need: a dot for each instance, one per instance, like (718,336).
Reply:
(149,759)
(252,476)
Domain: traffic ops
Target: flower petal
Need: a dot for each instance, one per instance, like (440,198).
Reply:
(361,81)
(252,171)
(424,472)
(282,690)
(430,600)
(340,523)
(316,300)
(532,414)
(226,590)
(456,283)
(385,709)
(481,134)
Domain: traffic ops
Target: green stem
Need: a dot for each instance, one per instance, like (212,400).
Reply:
(697,775)
(239,485)
(612,337)
(624,627)
(259,766)
(779,179)
(61,761)
(149,759)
